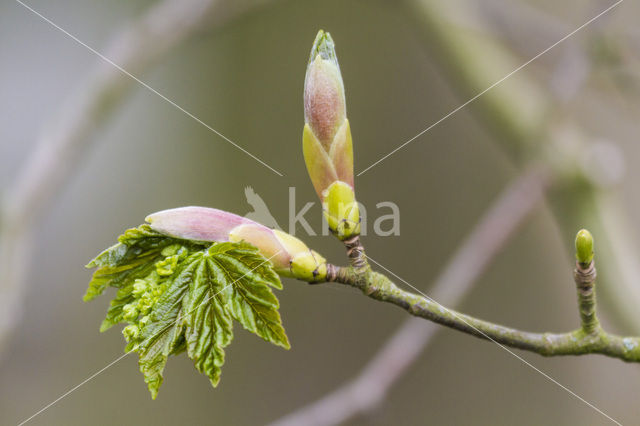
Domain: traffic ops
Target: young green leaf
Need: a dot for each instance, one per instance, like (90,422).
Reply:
(133,257)
(250,300)
(209,325)
(179,295)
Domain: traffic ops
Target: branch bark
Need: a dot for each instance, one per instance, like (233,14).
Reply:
(370,388)
(590,338)
(517,113)
(579,342)
(402,349)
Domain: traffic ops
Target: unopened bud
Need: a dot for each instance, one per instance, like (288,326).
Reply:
(584,247)
(341,210)
(289,256)
(324,101)
(326,139)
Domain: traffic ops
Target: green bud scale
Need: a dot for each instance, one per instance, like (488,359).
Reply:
(584,247)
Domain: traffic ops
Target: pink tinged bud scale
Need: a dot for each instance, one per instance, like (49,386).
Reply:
(289,256)
(324,100)
(196,223)
(326,139)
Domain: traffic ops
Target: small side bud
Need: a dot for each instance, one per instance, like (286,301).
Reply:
(584,247)
(341,210)
(304,264)
(310,266)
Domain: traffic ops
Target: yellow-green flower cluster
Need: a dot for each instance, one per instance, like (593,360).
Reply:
(146,292)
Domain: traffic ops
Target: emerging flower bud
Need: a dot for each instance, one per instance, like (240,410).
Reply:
(289,256)
(326,139)
(139,287)
(131,332)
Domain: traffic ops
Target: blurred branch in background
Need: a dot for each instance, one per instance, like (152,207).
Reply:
(63,143)
(609,57)
(534,127)
(518,113)
(366,391)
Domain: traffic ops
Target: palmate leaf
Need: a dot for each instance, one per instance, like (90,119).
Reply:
(133,257)
(178,295)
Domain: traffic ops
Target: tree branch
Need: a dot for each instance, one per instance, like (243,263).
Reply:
(517,112)
(403,348)
(590,338)
(585,278)
(586,340)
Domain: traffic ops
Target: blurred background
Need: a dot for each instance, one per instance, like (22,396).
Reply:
(239,67)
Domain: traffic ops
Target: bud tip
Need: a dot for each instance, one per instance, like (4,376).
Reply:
(323,45)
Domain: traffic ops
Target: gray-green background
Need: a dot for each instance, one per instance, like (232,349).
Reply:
(245,79)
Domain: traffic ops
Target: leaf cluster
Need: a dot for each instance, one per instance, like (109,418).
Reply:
(182,296)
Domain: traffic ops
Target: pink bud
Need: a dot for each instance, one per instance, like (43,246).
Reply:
(196,223)
(324,101)
(289,256)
